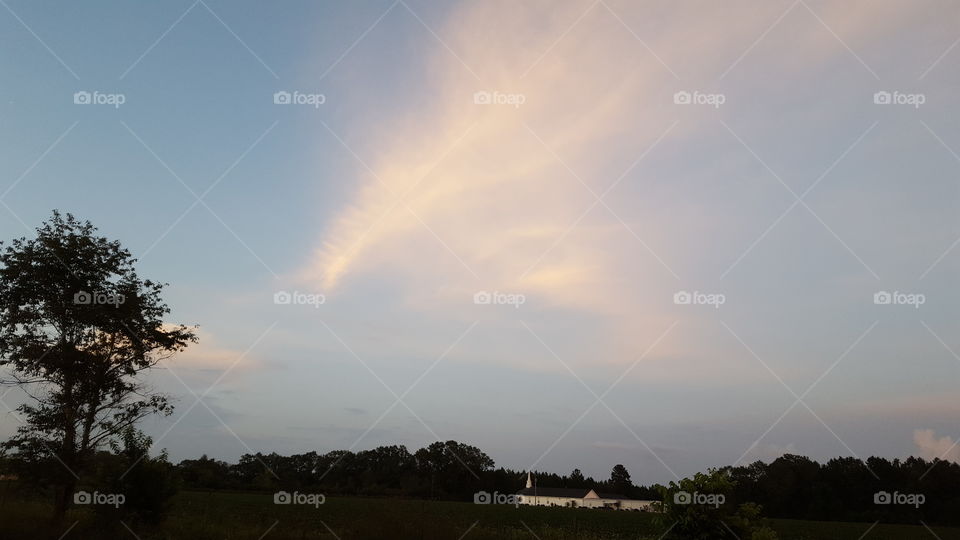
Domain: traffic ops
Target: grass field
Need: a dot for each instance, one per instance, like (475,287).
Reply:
(247,516)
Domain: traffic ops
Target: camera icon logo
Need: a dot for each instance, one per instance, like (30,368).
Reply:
(882,98)
(82,497)
(282,497)
(481,497)
(482,98)
(482,297)
(682,98)
(882,497)
(682,497)
(281,98)
(682,298)
(82,298)
(882,298)
(82,98)
(282,297)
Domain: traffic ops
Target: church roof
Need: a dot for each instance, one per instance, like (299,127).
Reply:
(572,493)
(613,496)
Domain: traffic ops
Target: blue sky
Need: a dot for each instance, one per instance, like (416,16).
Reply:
(596,200)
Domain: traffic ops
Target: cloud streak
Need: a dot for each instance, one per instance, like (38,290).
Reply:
(562,197)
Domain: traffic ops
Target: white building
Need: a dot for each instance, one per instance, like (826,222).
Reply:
(578,498)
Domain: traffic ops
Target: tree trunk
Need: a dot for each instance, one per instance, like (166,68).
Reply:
(67,454)
(64,498)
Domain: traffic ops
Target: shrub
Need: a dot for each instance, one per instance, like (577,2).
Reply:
(147,483)
(697,509)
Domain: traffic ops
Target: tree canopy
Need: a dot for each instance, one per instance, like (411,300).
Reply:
(77,328)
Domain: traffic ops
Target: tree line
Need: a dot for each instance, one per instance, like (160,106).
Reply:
(850,489)
(442,470)
(792,486)
(795,487)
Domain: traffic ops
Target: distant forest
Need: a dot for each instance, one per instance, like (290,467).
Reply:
(842,489)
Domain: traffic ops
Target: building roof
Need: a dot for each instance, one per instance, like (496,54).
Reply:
(572,493)
(613,496)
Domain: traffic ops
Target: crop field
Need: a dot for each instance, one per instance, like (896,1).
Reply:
(254,516)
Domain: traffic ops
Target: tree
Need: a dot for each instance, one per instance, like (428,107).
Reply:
(576,479)
(452,467)
(698,508)
(77,329)
(147,483)
(205,473)
(620,480)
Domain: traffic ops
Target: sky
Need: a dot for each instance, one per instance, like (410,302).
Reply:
(669,234)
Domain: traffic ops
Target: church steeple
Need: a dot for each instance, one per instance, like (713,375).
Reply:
(529,480)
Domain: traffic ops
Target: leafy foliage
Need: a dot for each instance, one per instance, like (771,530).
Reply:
(77,327)
(696,509)
(845,488)
(620,479)
(147,483)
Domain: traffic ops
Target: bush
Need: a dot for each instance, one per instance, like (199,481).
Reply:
(147,483)
(697,509)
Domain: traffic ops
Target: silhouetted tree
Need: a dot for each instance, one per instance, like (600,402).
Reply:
(206,473)
(146,482)
(620,480)
(576,479)
(453,468)
(77,327)
(698,508)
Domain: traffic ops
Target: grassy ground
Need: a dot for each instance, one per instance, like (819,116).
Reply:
(246,516)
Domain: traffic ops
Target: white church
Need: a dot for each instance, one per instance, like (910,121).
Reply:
(578,498)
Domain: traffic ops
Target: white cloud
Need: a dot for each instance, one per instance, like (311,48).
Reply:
(930,447)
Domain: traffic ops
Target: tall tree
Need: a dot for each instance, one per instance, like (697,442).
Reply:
(77,329)
(620,480)
(698,507)
(576,479)
(453,468)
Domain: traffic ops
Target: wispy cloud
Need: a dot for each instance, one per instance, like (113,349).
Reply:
(507,189)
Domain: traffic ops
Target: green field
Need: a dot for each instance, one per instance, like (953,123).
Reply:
(243,516)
